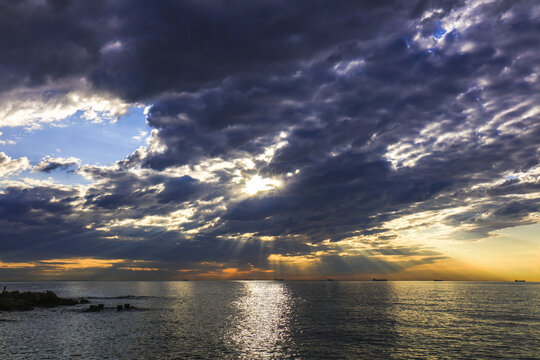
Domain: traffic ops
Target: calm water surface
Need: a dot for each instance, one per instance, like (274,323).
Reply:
(280,320)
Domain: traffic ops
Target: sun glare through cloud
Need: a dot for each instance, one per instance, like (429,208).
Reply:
(257,184)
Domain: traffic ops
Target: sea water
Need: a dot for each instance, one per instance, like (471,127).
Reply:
(279,320)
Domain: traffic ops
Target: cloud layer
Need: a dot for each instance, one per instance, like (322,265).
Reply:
(373,117)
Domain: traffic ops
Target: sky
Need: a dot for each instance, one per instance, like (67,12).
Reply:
(203,139)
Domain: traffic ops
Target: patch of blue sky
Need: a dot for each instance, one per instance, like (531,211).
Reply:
(439,31)
(93,143)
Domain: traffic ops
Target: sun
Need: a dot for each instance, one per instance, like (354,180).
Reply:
(258,183)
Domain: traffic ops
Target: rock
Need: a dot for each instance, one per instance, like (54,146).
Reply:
(13,304)
(93,308)
(119,307)
(16,301)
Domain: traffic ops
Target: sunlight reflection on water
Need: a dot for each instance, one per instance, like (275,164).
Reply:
(262,327)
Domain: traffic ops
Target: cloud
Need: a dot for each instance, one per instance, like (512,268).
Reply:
(49,164)
(10,166)
(34,107)
(374,118)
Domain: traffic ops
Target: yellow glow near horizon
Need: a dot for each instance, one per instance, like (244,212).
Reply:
(80,263)
(258,183)
(16,265)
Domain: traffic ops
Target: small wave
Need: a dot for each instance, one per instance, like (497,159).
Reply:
(111,309)
(121,297)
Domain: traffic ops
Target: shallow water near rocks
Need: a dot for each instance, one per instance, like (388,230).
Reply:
(279,320)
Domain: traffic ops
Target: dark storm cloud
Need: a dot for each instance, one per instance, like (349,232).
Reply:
(26,205)
(192,44)
(386,109)
(171,45)
(45,41)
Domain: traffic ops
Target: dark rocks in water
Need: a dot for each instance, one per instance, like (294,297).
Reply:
(94,308)
(14,304)
(124,307)
(100,307)
(16,301)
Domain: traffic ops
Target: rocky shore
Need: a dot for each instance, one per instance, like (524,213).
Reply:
(17,301)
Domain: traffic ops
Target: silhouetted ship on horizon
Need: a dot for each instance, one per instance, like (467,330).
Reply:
(375,279)
(519,280)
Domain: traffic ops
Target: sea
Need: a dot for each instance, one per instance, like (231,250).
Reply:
(279,320)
